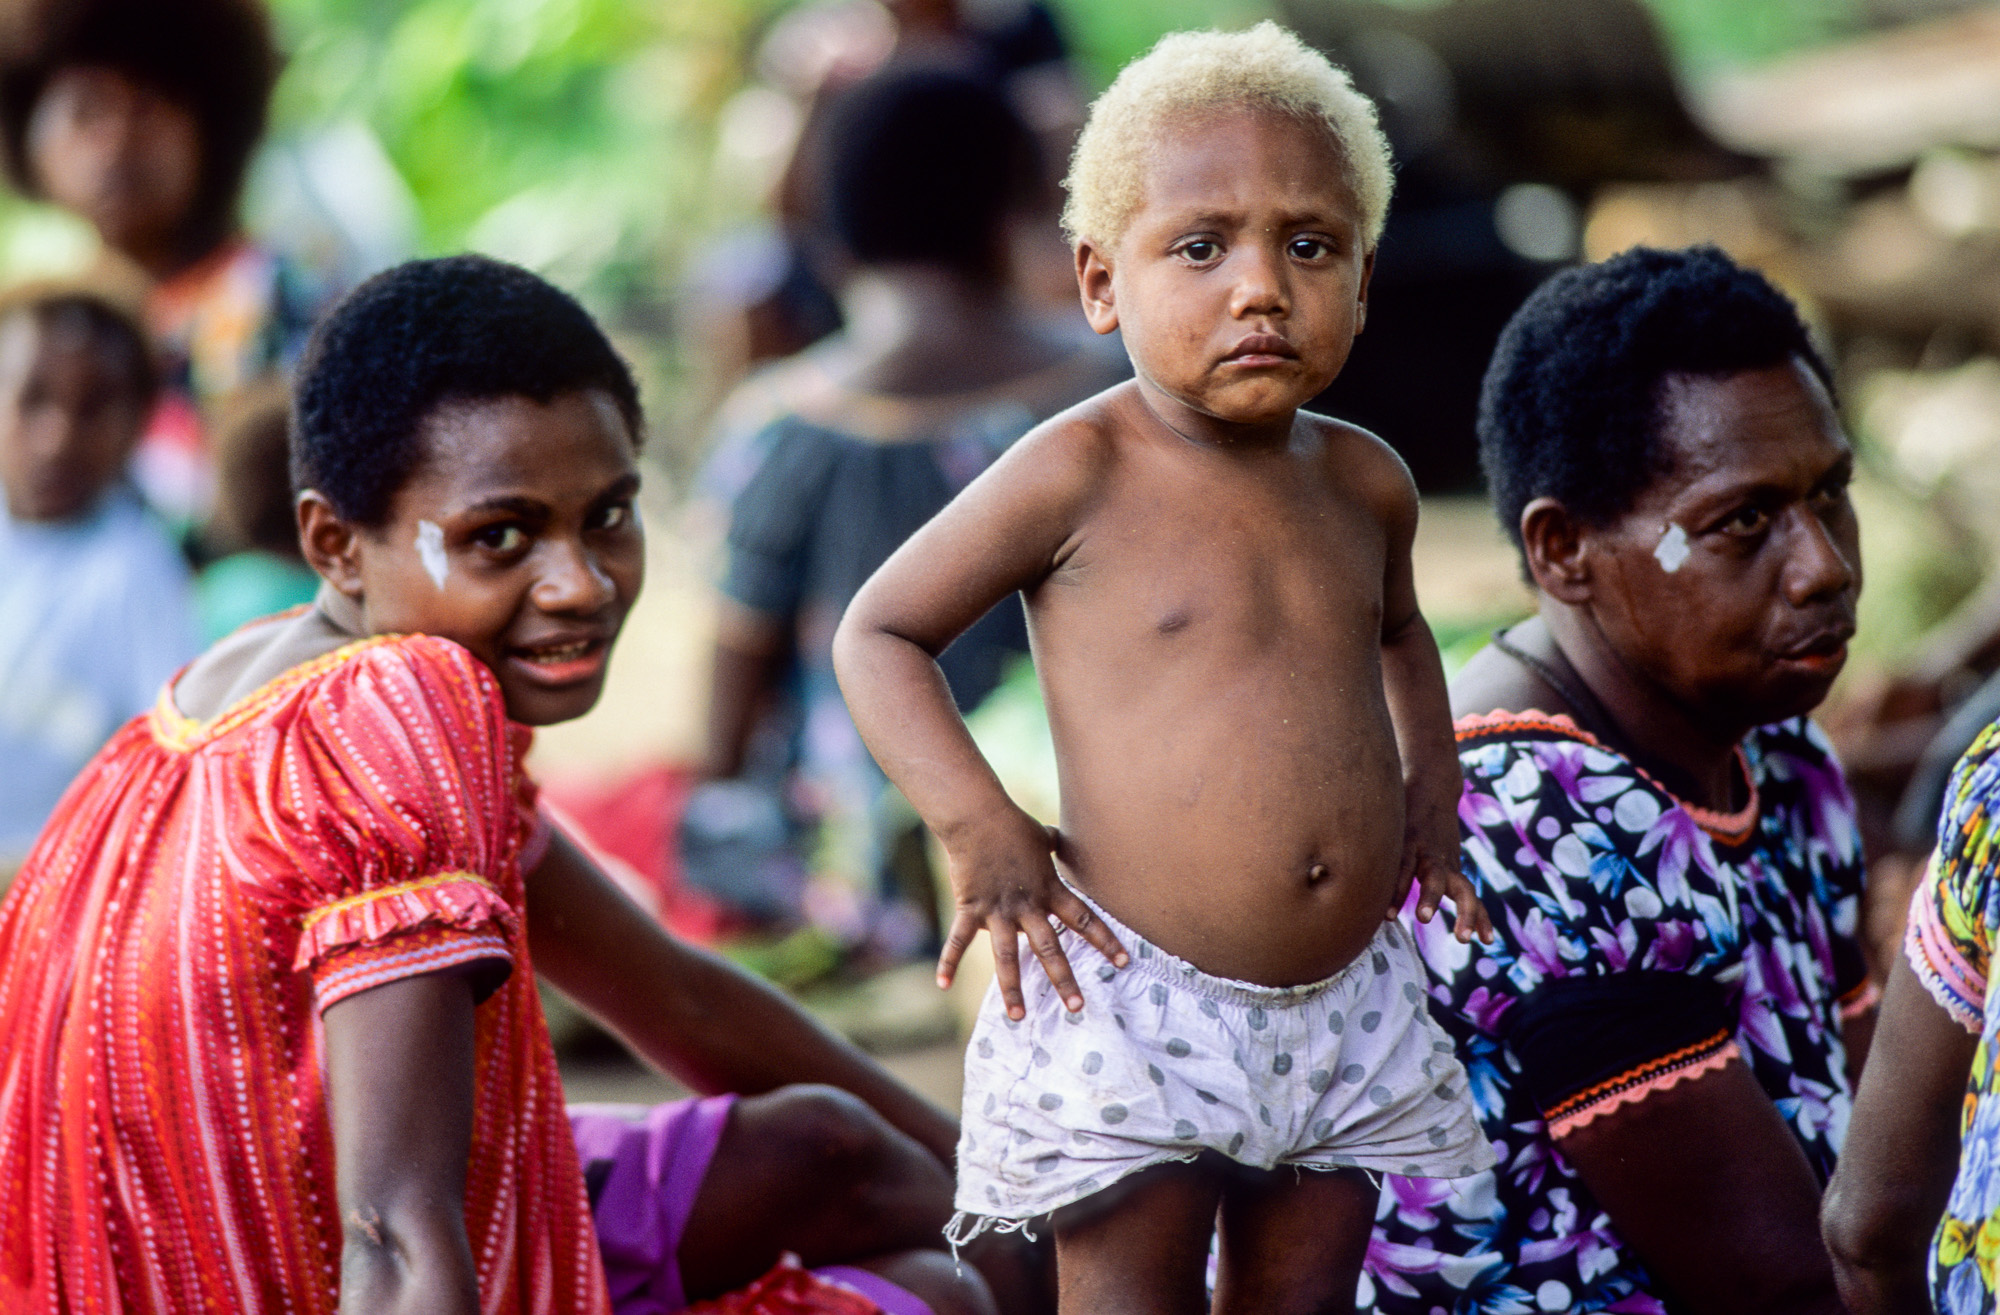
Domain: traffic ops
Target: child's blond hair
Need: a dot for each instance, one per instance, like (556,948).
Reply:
(1189,72)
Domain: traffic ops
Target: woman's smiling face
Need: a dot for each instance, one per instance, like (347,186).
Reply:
(516,537)
(1732,582)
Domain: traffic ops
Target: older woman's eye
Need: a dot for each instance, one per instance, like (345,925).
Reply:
(501,538)
(613,517)
(1746,520)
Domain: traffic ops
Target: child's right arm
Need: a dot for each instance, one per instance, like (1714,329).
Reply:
(1007,531)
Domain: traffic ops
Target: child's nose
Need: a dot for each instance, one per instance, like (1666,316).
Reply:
(1260,287)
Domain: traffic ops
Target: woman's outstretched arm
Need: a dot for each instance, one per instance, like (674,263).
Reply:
(692,1013)
(399,1079)
(1901,1154)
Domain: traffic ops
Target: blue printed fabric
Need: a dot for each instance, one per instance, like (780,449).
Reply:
(1589,867)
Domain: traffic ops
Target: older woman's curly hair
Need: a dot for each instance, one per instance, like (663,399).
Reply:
(1188,73)
(215,58)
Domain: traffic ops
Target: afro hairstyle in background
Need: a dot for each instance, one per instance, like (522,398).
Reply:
(1571,405)
(215,58)
(923,165)
(422,336)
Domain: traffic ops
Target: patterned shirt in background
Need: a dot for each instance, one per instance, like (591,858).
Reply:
(1590,868)
(1950,945)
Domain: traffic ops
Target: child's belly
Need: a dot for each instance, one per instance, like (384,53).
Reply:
(1254,828)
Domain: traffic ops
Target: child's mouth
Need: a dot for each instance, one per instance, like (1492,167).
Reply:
(561,664)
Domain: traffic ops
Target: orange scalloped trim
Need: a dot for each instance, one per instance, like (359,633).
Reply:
(1569,1123)
(174,729)
(1730,828)
(345,903)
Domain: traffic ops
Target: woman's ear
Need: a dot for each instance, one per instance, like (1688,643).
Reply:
(1093,283)
(331,545)
(1557,548)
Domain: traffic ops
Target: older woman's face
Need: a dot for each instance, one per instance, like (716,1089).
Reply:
(1732,581)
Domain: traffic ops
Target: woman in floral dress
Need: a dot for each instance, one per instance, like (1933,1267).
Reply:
(1660,1040)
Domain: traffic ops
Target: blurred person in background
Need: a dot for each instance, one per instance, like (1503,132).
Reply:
(831,459)
(261,569)
(141,117)
(94,604)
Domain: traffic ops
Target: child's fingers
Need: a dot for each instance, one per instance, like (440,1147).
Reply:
(1007,963)
(1432,883)
(963,928)
(1042,940)
(1472,919)
(1077,916)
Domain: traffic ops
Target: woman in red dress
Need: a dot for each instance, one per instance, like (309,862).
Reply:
(273,1036)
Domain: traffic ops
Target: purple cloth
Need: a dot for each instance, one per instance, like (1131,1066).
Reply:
(643,1169)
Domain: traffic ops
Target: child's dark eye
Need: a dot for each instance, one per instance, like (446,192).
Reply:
(501,538)
(1201,250)
(1309,248)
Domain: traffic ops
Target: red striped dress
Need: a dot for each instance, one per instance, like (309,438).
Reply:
(203,892)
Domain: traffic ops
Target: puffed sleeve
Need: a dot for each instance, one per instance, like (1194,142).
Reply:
(401,808)
(1594,980)
(1950,932)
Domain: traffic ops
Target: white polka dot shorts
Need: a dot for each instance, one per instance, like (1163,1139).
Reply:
(1165,1061)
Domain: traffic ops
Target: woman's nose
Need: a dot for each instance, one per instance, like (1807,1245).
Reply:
(574,581)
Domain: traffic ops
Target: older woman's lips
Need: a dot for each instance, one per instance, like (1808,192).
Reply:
(1821,654)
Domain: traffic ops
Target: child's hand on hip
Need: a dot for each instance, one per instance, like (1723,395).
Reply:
(1004,880)
(1431,859)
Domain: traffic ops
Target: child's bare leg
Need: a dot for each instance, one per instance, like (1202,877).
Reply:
(812,1170)
(1293,1241)
(1140,1247)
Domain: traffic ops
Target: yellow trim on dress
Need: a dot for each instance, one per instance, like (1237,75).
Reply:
(405,888)
(174,729)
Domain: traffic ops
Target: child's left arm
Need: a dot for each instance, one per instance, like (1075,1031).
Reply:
(1420,705)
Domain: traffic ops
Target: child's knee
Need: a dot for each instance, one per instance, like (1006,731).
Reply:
(825,1127)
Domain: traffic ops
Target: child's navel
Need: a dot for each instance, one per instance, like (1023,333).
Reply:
(1317,874)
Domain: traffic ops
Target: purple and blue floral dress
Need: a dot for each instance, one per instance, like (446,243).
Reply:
(1640,941)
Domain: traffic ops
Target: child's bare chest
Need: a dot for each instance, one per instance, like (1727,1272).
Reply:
(1258,562)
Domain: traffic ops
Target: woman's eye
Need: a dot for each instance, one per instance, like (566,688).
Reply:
(501,538)
(1201,250)
(1746,520)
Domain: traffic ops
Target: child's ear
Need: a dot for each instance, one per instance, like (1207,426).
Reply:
(1553,541)
(331,545)
(1093,283)
(1361,296)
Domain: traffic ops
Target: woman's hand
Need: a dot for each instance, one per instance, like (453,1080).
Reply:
(1004,878)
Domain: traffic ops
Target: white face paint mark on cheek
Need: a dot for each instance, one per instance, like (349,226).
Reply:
(1673,551)
(430,547)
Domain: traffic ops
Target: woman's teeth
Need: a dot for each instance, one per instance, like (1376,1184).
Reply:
(557,656)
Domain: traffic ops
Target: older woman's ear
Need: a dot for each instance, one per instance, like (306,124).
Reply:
(1554,542)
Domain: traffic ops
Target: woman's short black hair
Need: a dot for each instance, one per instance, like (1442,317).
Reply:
(424,335)
(1571,404)
(215,58)
(922,166)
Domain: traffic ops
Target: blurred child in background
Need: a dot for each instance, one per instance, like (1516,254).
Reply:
(262,570)
(94,605)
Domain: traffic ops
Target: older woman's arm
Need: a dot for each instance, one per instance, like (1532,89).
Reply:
(1901,1155)
(1707,1183)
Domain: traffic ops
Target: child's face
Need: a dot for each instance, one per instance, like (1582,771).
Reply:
(68,417)
(1240,282)
(119,155)
(516,537)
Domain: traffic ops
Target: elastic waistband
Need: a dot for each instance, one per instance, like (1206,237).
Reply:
(1150,960)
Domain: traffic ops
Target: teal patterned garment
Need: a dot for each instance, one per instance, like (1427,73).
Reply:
(1592,871)
(1949,945)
